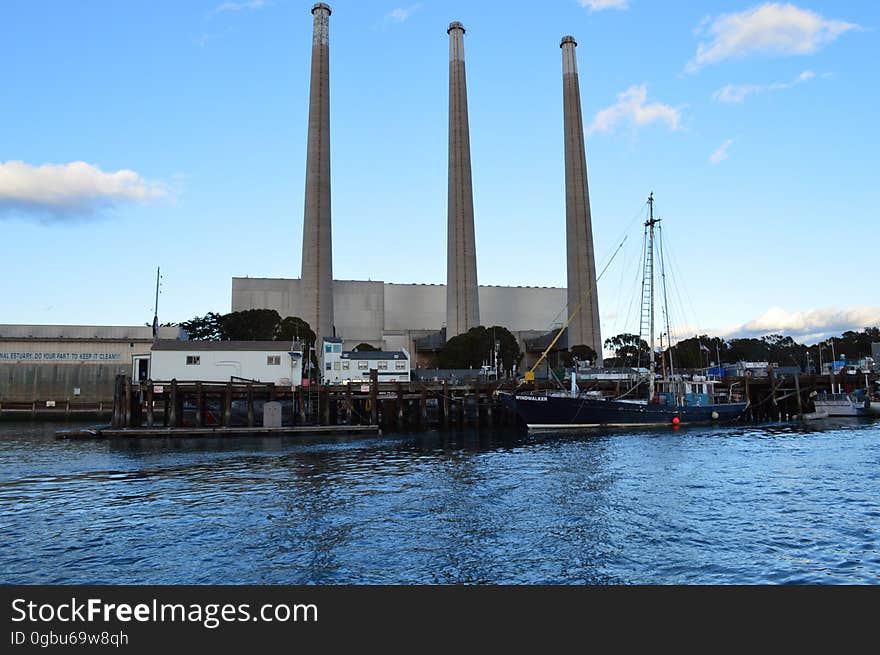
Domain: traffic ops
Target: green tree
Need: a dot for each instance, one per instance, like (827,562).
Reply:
(250,325)
(582,353)
(293,328)
(366,348)
(629,349)
(204,328)
(474,348)
(696,352)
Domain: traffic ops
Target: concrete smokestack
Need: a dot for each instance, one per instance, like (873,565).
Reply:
(462,303)
(317,253)
(584,328)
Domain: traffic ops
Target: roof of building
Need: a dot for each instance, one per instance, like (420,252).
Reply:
(195,346)
(374,354)
(86,332)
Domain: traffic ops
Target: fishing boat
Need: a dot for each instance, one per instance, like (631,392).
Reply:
(845,404)
(670,400)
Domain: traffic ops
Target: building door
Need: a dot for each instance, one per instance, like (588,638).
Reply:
(141,368)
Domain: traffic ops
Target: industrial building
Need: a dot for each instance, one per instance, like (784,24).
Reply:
(403,316)
(70,363)
(418,317)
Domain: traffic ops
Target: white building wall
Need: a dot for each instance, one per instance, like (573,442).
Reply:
(221,365)
(337,368)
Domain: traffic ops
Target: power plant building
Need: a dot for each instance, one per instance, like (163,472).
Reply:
(419,318)
(398,316)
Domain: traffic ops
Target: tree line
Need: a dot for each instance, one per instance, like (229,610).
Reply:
(703,350)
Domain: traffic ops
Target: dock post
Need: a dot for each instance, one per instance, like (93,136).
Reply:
(423,409)
(462,408)
(172,419)
(250,404)
(490,395)
(149,404)
(399,408)
(128,402)
(200,405)
(772,377)
(324,403)
(301,405)
(117,402)
(374,397)
(445,410)
(348,405)
(227,406)
(797,391)
(748,397)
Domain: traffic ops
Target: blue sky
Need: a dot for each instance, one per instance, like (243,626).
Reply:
(755,125)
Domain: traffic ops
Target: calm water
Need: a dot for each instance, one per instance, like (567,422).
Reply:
(771,504)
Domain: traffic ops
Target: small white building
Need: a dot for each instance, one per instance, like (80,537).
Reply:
(344,367)
(221,361)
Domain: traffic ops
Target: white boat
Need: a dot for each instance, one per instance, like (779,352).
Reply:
(844,404)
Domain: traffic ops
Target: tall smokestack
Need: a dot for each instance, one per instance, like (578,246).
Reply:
(584,327)
(317,253)
(462,302)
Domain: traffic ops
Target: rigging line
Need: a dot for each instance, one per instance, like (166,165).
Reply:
(676,276)
(665,301)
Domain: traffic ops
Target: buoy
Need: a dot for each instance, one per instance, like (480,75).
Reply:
(714,416)
(675,420)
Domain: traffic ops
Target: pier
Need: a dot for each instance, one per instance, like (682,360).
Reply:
(235,408)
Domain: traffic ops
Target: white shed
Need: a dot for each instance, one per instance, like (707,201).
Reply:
(278,362)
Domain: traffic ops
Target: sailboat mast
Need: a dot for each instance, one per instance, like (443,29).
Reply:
(650,265)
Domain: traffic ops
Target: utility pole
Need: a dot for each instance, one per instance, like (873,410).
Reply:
(156,308)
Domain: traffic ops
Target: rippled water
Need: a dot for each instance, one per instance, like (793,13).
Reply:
(756,504)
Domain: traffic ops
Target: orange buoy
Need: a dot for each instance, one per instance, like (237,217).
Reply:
(675,420)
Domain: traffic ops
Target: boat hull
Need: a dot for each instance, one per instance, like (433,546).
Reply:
(561,413)
(845,407)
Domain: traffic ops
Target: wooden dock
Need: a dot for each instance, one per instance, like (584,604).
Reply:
(185,432)
(158,409)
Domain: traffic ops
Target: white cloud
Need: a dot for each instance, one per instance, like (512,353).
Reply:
(737,93)
(806,326)
(771,28)
(401,14)
(721,153)
(599,5)
(239,6)
(64,190)
(631,109)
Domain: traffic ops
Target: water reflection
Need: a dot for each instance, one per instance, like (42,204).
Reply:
(744,504)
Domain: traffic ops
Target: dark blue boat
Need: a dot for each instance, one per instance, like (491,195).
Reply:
(552,411)
(681,399)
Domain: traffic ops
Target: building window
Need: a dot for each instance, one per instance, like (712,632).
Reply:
(335,366)
(273,360)
(328,348)
(363,366)
(337,348)
(193,360)
(344,366)
(382,366)
(400,366)
(327,366)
